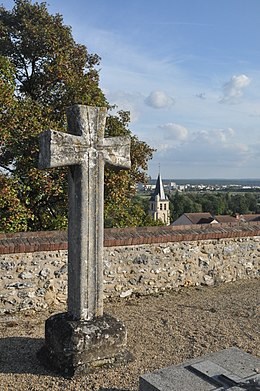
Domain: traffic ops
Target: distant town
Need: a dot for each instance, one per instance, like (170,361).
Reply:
(201,185)
(186,202)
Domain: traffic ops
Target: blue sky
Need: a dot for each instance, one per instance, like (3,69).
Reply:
(189,73)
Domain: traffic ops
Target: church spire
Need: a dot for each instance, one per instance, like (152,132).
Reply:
(159,190)
(159,207)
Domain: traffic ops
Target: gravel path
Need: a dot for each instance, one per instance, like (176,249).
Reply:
(163,330)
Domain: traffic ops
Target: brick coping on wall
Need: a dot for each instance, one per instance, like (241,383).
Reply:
(23,242)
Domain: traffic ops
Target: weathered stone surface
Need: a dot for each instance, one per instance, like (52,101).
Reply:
(85,151)
(196,259)
(83,338)
(126,293)
(75,347)
(44,273)
(20,285)
(25,275)
(5,265)
(230,369)
(61,271)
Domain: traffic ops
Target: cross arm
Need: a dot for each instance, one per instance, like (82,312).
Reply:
(59,149)
(116,151)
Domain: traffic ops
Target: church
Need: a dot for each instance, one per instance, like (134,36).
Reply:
(159,207)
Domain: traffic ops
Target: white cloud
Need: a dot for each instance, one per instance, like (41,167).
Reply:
(205,159)
(126,101)
(205,152)
(159,100)
(174,132)
(234,89)
(215,136)
(177,136)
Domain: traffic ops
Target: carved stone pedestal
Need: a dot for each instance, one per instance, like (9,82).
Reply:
(77,347)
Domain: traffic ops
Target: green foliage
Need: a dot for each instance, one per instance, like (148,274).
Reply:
(42,72)
(50,66)
(183,203)
(14,215)
(215,203)
(120,208)
(7,85)
(132,212)
(41,193)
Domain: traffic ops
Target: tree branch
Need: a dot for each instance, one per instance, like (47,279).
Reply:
(6,168)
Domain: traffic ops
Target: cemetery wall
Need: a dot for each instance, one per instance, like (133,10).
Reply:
(33,266)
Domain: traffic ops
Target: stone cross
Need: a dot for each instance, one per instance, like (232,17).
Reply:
(85,151)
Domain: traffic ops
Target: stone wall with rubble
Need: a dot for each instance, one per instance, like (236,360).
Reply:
(38,279)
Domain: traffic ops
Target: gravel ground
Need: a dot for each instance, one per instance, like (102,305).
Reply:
(163,329)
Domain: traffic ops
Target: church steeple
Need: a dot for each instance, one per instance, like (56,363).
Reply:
(159,204)
(159,190)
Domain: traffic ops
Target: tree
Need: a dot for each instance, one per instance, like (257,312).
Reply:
(41,193)
(43,71)
(183,203)
(120,210)
(227,203)
(213,203)
(238,204)
(50,67)
(251,200)
(14,215)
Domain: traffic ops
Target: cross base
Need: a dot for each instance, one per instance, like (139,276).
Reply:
(77,347)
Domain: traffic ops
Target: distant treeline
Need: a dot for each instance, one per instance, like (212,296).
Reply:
(215,203)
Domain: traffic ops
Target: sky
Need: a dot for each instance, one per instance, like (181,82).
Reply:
(189,73)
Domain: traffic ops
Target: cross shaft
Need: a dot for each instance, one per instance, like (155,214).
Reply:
(85,151)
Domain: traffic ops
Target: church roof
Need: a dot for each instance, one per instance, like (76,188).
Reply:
(159,190)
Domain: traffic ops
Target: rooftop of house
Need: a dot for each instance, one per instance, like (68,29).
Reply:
(225,219)
(200,218)
(208,218)
(250,217)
